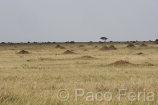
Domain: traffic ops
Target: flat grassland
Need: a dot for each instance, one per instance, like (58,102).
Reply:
(90,75)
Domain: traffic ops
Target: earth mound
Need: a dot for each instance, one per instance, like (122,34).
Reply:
(23,52)
(140,53)
(68,52)
(58,46)
(87,57)
(130,45)
(120,63)
(112,47)
(62,48)
(85,50)
(143,45)
(81,46)
(148,64)
(104,48)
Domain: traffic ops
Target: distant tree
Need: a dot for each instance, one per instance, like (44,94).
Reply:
(72,41)
(104,38)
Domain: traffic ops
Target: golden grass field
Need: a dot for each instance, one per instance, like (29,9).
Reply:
(37,78)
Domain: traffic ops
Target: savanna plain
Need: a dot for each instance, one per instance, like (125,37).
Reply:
(79,73)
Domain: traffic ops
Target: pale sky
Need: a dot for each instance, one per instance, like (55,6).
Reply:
(78,20)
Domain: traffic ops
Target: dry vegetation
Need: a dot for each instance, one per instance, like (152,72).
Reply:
(32,74)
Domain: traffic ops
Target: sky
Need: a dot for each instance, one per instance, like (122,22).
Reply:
(78,20)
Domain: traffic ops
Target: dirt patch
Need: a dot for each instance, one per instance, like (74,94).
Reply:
(120,63)
(104,48)
(87,57)
(130,45)
(112,47)
(23,52)
(143,45)
(69,52)
(140,53)
(81,46)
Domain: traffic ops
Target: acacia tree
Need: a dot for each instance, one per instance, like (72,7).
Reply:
(104,38)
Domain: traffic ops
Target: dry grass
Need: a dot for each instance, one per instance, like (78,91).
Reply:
(35,78)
